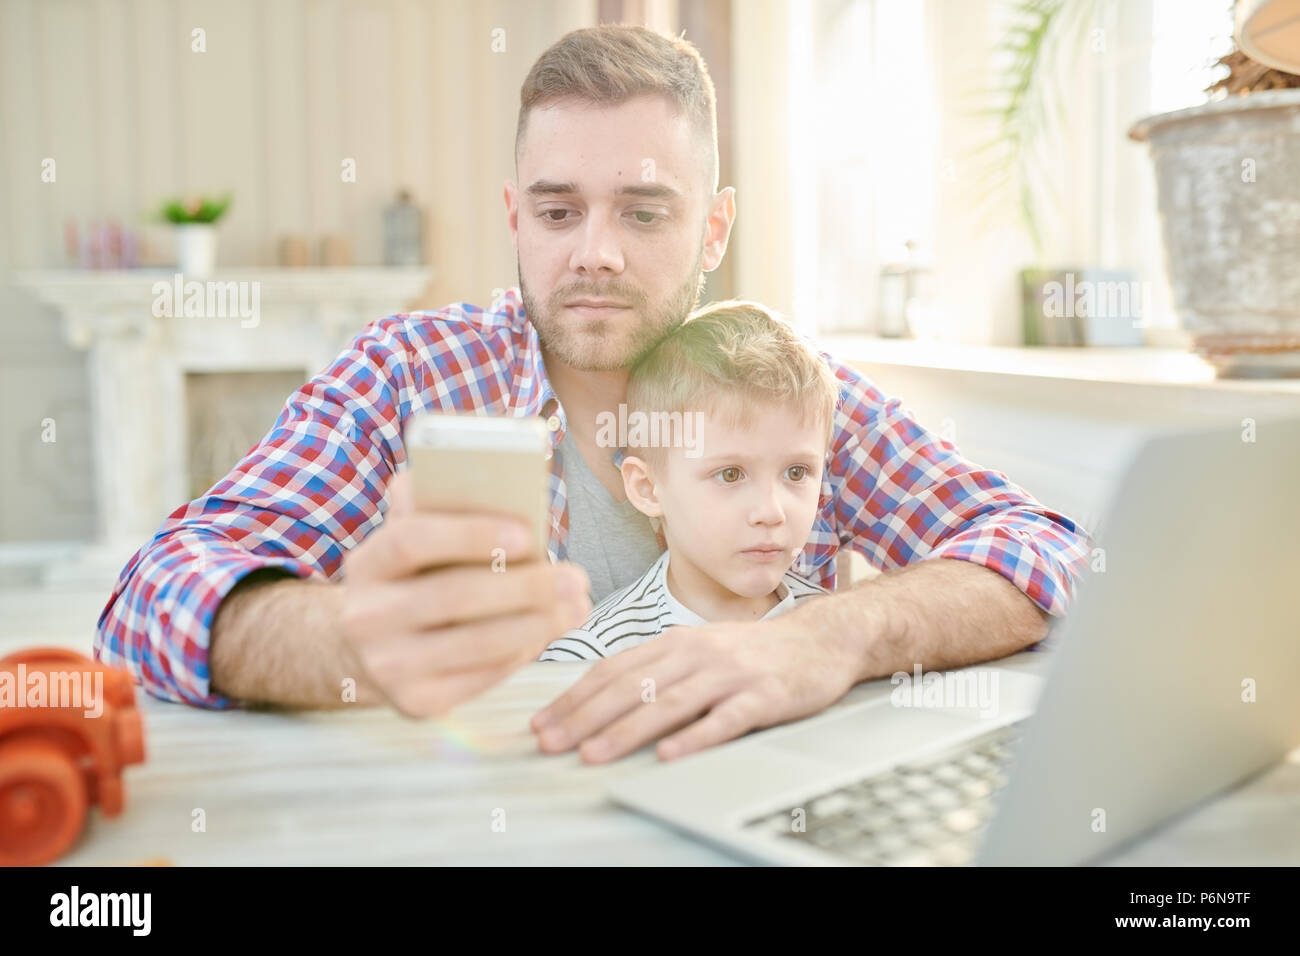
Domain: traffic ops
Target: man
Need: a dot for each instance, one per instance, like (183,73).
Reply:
(306,576)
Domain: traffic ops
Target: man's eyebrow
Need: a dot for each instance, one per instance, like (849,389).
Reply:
(649,191)
(547,187)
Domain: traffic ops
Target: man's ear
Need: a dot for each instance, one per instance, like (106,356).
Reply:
(512,212)
(639,483)
(717,230)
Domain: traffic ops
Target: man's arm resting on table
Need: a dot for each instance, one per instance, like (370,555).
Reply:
(276,638)
(939,613)
(421,640)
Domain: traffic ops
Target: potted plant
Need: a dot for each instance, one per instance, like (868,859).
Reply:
(1227,177)
(195,222)
(1228,181)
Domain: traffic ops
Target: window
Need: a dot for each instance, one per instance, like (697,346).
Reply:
(862,143)
(869,92)
(1188,37)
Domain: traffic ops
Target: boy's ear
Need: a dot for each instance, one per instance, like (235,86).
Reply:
(639,484)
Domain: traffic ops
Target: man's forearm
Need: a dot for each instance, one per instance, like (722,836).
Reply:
(940,613)
(276,640)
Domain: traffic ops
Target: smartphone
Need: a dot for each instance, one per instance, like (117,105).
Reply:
(483,464)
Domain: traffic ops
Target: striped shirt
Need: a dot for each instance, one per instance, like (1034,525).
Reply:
(646,608)
(315,487)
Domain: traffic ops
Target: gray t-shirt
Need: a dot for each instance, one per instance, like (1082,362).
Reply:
(612,541)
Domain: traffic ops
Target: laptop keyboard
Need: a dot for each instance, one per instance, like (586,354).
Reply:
(929,812)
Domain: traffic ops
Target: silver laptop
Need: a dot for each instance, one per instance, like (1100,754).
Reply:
(1175,675)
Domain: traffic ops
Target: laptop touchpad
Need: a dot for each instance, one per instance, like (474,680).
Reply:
(871,734)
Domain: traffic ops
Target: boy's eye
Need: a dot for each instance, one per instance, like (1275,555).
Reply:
(548,215)
(730,475)
(797,472)
(651,217)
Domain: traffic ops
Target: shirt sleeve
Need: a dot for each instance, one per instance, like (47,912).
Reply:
(904,494)
(311,490)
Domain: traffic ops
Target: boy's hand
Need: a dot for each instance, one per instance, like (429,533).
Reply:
(717,681)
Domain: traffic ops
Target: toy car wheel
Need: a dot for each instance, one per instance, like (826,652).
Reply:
(42,802)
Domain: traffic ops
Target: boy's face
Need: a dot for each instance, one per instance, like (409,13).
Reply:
(741,511)
(612,205)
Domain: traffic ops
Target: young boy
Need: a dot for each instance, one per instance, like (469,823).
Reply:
(728,426)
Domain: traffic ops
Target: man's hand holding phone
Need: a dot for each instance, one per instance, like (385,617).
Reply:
(438,606)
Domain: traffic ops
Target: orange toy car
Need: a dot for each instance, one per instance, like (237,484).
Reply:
(61,750)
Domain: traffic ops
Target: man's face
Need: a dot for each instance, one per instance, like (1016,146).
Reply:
(611,207)
(749,488)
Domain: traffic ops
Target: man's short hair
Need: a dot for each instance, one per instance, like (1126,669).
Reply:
(609,64)
(728,358)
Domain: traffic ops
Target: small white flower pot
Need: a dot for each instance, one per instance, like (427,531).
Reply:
(196,249)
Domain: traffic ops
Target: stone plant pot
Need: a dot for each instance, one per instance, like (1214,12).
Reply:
(1228,178)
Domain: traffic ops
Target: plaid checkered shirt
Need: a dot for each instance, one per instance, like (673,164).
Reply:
(314,488)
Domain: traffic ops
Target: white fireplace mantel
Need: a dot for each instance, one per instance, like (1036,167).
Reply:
(119,302)
(137,363)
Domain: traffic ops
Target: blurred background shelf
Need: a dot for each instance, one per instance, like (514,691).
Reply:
(1132,366)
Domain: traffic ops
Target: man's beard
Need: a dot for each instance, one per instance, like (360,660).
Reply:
(605,345)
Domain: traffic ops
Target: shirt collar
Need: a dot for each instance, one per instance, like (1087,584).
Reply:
(536,394)
(682,615)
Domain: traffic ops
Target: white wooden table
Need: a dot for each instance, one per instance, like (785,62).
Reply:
(367,786)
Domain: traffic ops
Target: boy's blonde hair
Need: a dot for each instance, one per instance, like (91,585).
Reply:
(726,358)
(609,64)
